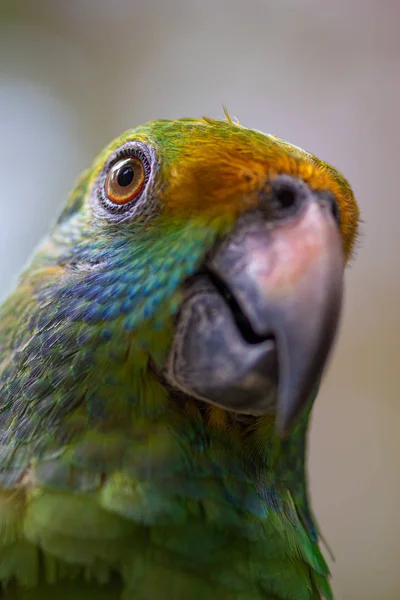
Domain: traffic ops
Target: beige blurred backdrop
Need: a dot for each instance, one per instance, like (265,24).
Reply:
(323,75)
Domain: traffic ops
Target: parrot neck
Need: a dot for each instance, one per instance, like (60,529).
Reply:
(292,471)
(205,491)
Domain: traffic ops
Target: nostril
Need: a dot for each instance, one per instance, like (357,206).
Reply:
(329,198)
(335,211)
(287,195)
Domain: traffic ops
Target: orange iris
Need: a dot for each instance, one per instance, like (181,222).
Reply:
(125,180)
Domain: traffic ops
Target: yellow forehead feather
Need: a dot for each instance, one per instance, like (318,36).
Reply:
(210,167)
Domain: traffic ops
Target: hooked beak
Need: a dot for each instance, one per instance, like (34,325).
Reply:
(256,327)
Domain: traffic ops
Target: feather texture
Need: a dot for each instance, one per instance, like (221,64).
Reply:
(110,486)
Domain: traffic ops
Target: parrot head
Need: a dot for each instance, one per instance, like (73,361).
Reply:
(208,255)
(158,362)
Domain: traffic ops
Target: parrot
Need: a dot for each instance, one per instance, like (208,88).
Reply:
(159,359)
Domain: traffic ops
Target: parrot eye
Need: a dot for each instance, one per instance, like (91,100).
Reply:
(122,189)
(125,180)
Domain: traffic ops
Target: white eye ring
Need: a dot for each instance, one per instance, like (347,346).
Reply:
(141,205)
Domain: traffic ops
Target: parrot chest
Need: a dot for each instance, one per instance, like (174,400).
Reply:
(161,510)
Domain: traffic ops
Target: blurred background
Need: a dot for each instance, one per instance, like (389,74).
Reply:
(324,76)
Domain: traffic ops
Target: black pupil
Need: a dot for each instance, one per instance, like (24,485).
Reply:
(125,176)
